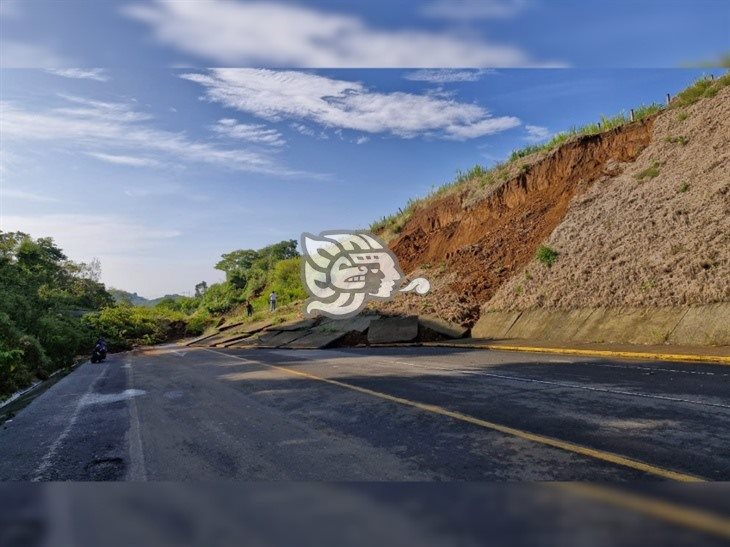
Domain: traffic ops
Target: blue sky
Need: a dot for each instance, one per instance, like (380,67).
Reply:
(158,171)
(157,165)
(376,33)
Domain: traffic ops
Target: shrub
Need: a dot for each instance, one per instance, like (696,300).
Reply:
(221,297)
(681,139)
(286,281)
(546,255)
(14,373)
(198,322)
(63,338)
(649,172)
(34,356)
(124,326)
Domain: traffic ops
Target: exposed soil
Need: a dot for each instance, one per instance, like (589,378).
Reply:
(482,246)
(634,240)
(640,216)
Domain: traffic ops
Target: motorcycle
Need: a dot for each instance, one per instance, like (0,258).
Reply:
(98,355)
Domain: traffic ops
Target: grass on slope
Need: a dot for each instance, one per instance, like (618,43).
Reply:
(481,178)
(701,89)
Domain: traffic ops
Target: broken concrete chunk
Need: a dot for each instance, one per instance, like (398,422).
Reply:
(299,324)
(359,323)
(275,339)
(317,340)
(393,329)
(443,327)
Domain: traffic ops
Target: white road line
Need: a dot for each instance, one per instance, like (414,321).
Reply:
(639,368)
(51,453)
(560,384)
(137,470)
(598,389)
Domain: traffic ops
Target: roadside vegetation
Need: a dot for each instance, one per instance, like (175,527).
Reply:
(43,297)
(52,310)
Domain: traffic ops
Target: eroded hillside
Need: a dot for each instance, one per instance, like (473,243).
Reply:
(656,234)
(638,214)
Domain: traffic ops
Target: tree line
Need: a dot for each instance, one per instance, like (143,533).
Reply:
(52,309)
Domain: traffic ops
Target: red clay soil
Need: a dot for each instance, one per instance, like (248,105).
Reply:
(495,238)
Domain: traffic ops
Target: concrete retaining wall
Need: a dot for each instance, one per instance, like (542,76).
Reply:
(696,326)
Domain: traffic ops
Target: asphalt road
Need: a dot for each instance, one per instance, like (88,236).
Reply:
(405,414)
(413,417)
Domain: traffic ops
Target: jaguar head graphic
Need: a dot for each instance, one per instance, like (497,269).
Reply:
(343,271)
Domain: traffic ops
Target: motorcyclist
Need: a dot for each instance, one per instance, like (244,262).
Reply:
(100,348)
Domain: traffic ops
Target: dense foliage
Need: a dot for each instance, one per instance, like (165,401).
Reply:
(43,297)
(53,309)
(252,275)
(124,326)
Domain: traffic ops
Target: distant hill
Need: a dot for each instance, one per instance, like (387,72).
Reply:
(137,300)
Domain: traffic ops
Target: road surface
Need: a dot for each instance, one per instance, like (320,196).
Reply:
(398,414)
(451,430)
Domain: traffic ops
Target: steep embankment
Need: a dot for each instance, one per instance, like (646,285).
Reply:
(656,234)
(639,217)
(470,251)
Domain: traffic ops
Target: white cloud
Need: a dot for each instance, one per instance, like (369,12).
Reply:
(536,133)
(468,10)
(266,33)
(362,140)
(116,132)
(257,133)
(303,129)
(97,74)
(340,104)
(118,159)
(442,76)
(308,131)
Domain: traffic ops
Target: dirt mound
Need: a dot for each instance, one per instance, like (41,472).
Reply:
(658,234)
(481,246)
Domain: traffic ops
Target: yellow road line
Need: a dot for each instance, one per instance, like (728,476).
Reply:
(653,507)
(526,435)
(684,357)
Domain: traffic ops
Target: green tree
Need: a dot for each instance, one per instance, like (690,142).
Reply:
(200,289)
(43,296)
